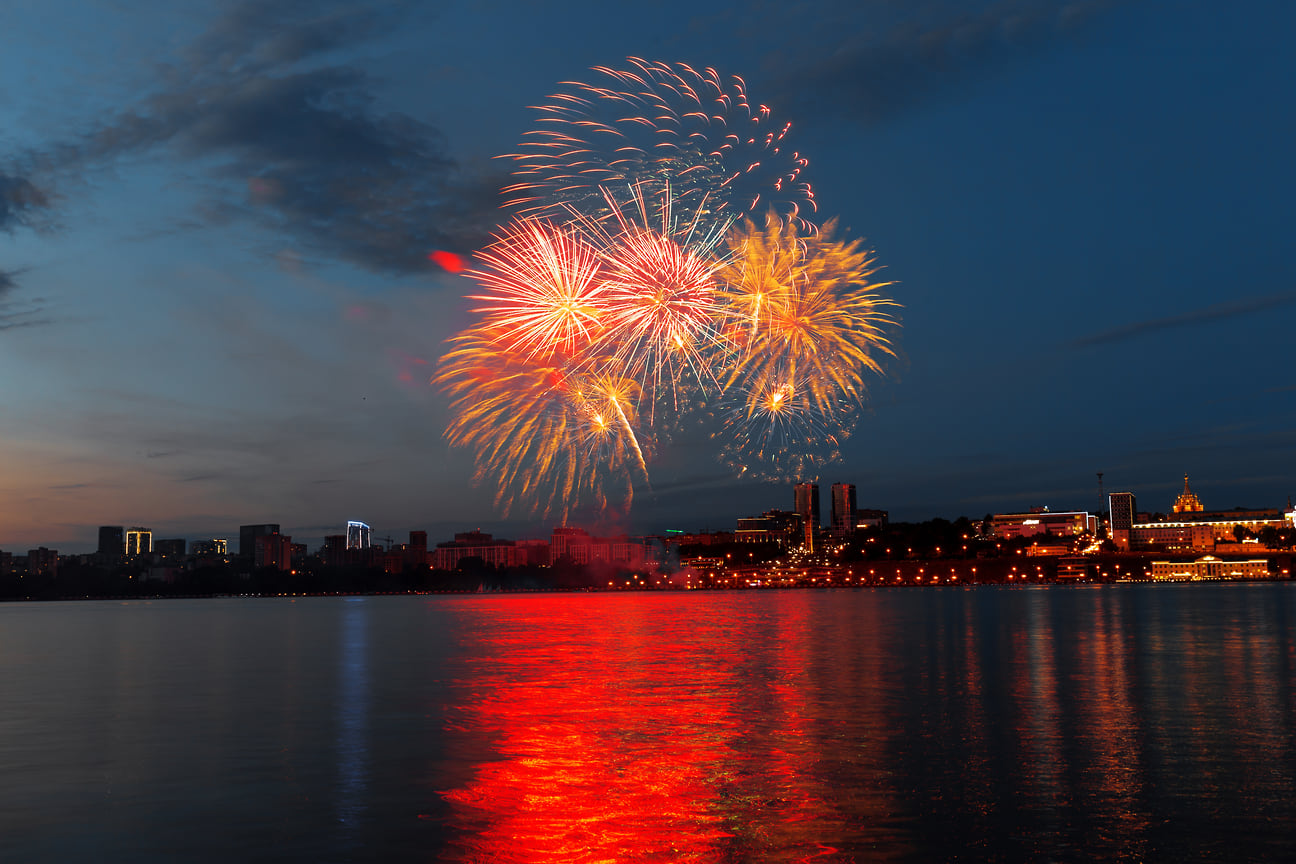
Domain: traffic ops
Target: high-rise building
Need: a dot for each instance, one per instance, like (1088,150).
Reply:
(112,540)
(248,535)
(273,550)
(843,508)
(139,541)
(1123,513)
(807,505)
(359,535)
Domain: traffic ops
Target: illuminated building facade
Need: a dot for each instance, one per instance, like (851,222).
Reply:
(843,508)
(774,526)
(475,544)
(359,535)
(139,541)
(1209,567)
(807,507)
(1187,502)
(1189,527)
(1124,512)
(1041,521)
(577,545)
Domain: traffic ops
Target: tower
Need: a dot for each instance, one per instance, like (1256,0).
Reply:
(1122,518)
(807,506)
(359,535)
(843,508)
(1187,502)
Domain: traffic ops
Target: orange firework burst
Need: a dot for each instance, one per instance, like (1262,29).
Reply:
(547,434)
(806,325)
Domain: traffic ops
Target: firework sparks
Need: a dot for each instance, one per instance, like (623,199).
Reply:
(660,124)
(807,326)
(546,293)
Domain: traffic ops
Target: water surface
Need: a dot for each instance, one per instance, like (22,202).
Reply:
(928,724)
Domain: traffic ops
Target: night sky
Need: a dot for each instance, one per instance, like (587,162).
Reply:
(216,305)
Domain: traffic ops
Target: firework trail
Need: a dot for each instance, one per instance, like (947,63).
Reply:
(660,125)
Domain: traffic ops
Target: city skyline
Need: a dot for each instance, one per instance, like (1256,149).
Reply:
(206,320)
(801,499)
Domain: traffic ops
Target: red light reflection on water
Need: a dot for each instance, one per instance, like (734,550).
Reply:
(603,752)
(623,739)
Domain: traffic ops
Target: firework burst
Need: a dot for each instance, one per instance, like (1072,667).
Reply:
(634,292)
(806,325)
(660,125)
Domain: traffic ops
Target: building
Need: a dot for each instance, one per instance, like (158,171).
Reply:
(359,535)
(1190,526)
(871,518)
(42,561)
(807,506)
(139,541)
(478,545)
(273,550)
(1124,512)
(112,541)
(1209,567)
(248,535)
(1187,502)
(416,551)
(580,547)
(844,512)
(1041,520)
(214,547)
(774,526)
(170,548)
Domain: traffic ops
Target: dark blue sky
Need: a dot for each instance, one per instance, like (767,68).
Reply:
(215,306)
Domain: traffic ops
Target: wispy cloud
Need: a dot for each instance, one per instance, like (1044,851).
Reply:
(1217,312)
(288,136)
(16,313)
(21,202)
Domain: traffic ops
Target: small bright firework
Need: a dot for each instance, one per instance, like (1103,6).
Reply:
(660,125)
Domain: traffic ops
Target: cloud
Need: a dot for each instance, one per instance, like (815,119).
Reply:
(21,202)
(869,77)
(14,313)
(1211,313)
(300,148)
